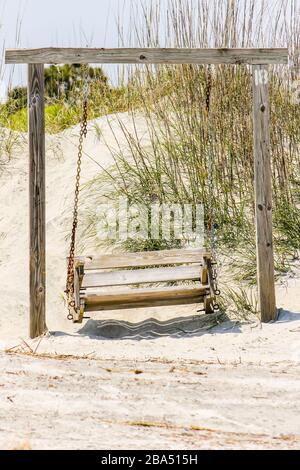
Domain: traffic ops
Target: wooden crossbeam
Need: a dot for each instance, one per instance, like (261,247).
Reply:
(58,55)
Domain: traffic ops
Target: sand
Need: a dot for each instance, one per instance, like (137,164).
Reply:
(144,378)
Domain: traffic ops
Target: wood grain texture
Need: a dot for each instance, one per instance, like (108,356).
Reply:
(263,194)
(37,250)
(79,304)
(143,259)
(144,297)
(97,307)
(77,282)
(127,296)
(142,276)
(55,55)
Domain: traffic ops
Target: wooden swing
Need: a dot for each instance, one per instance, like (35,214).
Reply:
(93,275)
(259,60)
(90,278)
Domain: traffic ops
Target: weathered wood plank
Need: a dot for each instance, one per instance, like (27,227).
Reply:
(138,298)
(207,278)
(144,303)
(142,259)
(142,276)
(78,276)
(134,296)
(209,305)
(37,200)
(55,55)
(263,194)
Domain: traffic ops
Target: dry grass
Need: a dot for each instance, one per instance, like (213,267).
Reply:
(192,111)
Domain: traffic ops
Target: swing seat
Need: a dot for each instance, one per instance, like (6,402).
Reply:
(103,282)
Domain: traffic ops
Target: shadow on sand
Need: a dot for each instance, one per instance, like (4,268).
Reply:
(152,328)
(285,316)
(187,326)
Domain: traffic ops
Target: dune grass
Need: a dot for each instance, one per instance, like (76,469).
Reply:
(174,102)
(60,114)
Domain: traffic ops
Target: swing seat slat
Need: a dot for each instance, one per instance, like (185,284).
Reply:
(126,298)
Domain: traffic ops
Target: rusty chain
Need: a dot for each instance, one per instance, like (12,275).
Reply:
(70,270)
(83,132)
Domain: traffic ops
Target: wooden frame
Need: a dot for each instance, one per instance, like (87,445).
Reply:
(258,58)
(57,55)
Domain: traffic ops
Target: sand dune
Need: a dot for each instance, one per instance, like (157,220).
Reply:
(197,387)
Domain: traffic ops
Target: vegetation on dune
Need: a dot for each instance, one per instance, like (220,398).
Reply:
(174,100)
(63,93)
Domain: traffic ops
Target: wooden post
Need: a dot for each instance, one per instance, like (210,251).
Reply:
(263,194)
(37,249)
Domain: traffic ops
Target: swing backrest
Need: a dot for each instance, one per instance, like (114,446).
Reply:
(144,259)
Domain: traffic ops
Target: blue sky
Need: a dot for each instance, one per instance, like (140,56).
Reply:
(60,23)
(77,23)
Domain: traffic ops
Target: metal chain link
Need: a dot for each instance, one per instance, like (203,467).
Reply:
(212,225)
(70,270)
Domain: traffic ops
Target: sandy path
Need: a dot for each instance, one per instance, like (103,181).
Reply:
(231,387)
(95,404)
